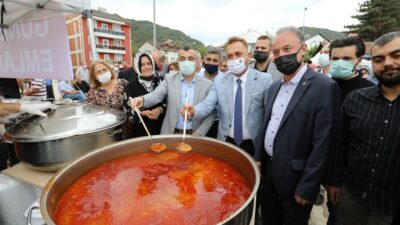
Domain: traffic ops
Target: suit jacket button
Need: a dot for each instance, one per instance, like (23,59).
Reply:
(230,125)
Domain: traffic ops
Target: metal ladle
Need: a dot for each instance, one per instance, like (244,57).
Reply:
(155,147)
(183,147)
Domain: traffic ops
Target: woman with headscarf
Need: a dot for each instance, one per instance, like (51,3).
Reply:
(144,83)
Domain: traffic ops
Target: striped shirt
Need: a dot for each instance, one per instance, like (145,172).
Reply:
(367,157)
(40,85)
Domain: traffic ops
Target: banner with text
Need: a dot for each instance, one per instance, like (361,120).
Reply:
(36,49)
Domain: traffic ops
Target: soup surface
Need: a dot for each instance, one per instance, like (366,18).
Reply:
(149,188)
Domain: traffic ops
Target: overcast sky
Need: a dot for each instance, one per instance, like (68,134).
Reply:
(213,21)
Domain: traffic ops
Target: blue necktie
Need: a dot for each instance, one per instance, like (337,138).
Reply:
(237,121)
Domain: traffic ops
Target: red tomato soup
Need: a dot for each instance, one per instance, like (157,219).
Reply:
(148,188)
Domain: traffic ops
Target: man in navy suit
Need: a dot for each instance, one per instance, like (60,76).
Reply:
(299,130)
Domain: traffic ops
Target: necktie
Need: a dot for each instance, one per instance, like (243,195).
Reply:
(237,121)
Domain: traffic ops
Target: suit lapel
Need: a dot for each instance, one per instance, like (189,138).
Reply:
(272,93)
(197,88)
(178,85)
(301,88)
(251,84)
(228,86)
(271,99)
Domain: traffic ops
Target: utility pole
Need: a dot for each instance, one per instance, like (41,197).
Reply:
(304,18)
(154,25)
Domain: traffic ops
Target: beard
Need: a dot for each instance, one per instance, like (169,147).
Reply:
(389,76)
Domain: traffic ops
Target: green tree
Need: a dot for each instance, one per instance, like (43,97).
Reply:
(311,52)
(376,17)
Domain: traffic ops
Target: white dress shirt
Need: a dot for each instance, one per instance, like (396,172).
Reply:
(279,107)
(246,133)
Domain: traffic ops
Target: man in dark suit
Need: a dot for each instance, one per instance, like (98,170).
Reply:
(128,74)
(299,131)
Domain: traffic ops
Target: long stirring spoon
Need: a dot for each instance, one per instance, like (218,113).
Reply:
(156,147)
(183,147)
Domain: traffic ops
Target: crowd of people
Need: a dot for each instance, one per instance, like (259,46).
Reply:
(310,128)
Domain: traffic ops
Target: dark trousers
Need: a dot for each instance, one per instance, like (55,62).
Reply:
(334,216)
(3,156)
(247,145)
(396,217)
(213,131)
(7,152)
(278,209)
(49,90)
(355,211)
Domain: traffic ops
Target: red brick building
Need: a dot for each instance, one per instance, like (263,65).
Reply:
(112,34)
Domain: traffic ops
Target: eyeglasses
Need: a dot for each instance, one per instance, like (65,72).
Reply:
(190,58)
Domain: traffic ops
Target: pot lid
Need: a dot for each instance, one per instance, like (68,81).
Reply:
(65,121)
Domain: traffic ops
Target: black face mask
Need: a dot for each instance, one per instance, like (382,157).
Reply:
(210,68)
(260,56)
(288,64)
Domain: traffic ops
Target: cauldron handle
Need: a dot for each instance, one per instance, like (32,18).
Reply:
(29,217)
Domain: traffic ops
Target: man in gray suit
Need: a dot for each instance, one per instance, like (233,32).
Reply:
(298,133)
(240,95)
(175,88)
(261,54)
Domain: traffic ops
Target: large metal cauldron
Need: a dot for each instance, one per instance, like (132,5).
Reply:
(218,149)
(50,143)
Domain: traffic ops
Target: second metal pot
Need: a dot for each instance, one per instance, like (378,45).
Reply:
(49,143)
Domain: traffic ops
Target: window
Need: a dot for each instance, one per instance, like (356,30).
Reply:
(106,57)
(104,26)
(116,27)
(118,57)
(105,42)
(117,43)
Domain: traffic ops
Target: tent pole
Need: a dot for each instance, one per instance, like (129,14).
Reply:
(89,15)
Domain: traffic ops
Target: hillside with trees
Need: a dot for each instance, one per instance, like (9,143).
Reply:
(142,31)
(310,32)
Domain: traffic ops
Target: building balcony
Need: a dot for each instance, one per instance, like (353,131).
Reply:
(111,49)
(109,33)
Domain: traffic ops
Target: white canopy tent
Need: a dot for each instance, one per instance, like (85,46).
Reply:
(29,10)
(14,12)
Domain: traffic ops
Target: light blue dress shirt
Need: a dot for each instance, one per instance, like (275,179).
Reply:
(64,86)
(186,88)
(279,107)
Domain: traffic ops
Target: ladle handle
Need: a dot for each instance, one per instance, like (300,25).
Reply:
(141,120)
(185,119)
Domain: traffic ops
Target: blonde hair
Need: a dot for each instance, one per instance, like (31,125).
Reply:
(232,40)
(92,76)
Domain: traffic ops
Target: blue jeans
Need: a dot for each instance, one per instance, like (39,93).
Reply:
(78,96)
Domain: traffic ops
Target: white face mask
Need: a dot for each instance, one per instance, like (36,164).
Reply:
(104,78)
(237,66)
(173,72)
(323,60)
(187,67)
